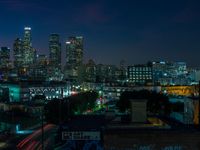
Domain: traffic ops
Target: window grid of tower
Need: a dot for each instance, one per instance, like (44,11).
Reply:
(140,74)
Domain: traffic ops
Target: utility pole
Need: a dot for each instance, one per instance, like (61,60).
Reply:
(43,128)
(68,110)
(43,98)
(199,106)
(60,118)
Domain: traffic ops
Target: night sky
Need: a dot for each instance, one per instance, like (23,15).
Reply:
(134,30)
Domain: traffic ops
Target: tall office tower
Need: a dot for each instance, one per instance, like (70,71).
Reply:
(28,51)
(5,65)
(4,57)
(40,71)
(74,57)
(90,71)
(18,53)
(106,73)
(55,51)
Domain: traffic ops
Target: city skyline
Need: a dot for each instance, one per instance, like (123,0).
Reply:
(132,31)
(100,74)
(64,54)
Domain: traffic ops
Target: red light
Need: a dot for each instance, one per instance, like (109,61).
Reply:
(73,92)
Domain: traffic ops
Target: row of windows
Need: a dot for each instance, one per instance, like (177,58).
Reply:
(130,70)
(140,78)
(140,69)
(139,74)
(138,81)
(50,97)
(136,75)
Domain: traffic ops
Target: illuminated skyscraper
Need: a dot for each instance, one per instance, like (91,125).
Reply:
(55,51)
(18,53)
(40,71)
(5,64)
(28,51)
(4,57)
(74,56)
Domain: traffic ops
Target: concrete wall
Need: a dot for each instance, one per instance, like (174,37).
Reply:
(138,110)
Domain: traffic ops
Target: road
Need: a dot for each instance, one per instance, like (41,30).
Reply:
(34,141)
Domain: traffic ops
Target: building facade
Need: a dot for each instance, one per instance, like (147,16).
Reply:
(140,74)
(55,51)
(25,90)
(4,57)
(90,70)
(29,53)
(18,53)
(5,64)
(74,57)
(40,69)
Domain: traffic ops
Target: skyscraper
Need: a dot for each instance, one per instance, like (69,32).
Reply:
(4,57)
(40,71)
(28,51)
(18,53)
(5,65)
(74,56)
(55,51)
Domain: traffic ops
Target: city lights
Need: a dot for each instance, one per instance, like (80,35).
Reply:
(111,75)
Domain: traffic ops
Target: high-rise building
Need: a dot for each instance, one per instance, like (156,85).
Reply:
(4,57)
(42,60)
(106,73)
(74,56)
(90,71)
(5,65)
(55,51)
(18,53)
(28,51)
(40,69)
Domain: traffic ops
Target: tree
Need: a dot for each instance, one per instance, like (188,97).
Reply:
(59,110)
(56,110)
(157,103)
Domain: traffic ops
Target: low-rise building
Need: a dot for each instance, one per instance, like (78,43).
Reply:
(140,74)
(25,90)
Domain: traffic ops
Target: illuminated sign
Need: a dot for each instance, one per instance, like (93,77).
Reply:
(81,135)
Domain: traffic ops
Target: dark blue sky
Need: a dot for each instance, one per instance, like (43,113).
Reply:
(136,31)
